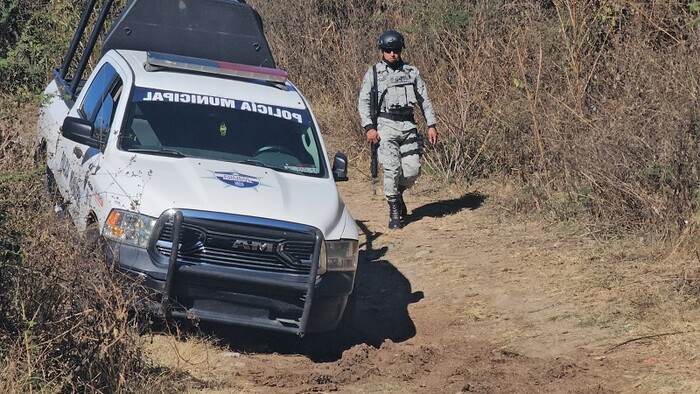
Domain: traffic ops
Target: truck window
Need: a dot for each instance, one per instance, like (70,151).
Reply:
(217,128)
(101,100)
(97,91)
(105,115)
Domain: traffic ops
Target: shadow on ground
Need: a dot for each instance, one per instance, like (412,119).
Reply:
(378,311)
(438,209)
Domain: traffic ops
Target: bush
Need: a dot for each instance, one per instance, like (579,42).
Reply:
(33,35)
(65,315)
(590,105)
(593,98)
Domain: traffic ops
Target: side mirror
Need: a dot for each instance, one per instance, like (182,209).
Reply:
(340,167)
(79,130)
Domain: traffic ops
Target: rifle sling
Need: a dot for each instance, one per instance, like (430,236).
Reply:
(377,98)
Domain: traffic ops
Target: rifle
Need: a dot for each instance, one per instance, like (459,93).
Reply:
(374,112)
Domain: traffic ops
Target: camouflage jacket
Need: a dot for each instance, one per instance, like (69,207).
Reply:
(399,92)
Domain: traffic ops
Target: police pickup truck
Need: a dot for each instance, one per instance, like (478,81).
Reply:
(203,173)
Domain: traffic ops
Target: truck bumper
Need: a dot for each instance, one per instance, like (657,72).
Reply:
(241,296)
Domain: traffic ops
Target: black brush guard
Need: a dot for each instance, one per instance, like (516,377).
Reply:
(254,290)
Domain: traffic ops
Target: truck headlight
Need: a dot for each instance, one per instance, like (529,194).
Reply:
(338,256)
(128,227)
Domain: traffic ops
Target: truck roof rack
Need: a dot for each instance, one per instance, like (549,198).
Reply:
(222,30)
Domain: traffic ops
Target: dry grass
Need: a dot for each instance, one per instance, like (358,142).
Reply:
(585,110)
(591,105)
(67,317)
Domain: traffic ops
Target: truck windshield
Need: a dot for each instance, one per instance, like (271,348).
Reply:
(180,124)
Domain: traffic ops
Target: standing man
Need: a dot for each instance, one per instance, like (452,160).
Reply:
(398,88)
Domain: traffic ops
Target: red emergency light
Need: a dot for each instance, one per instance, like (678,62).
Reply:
(167,60)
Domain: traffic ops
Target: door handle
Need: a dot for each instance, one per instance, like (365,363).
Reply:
(78,152)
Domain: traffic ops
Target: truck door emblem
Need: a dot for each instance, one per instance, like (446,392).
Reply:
(237,180)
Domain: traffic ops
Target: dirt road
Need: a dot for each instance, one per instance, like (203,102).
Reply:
(463,299)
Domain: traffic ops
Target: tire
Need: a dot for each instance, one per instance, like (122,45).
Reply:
(93,238)
(51,187)
(49,179)
(347,322)
(40,154)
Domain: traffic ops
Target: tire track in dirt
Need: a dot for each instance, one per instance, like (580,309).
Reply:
(464,299)
(460,300)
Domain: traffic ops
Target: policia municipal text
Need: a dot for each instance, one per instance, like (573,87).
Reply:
(399,87)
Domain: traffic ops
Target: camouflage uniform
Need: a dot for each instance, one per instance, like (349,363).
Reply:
(400,89)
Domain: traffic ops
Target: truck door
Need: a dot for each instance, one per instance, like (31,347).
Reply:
(80,158)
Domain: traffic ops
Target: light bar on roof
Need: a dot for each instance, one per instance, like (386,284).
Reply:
(216,67)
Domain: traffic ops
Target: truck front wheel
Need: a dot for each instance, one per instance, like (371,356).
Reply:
(92,235)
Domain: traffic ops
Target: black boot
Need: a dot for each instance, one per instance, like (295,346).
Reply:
(403,211)
(394,216)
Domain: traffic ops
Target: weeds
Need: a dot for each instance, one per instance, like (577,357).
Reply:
(564,95)
(590,106)
(600,96)
(66,317)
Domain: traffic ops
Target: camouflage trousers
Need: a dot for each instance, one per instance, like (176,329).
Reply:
(399,153)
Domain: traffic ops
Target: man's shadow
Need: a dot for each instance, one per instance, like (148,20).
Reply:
(376,312)
(471,201)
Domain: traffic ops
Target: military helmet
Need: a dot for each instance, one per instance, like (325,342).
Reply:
(391,39)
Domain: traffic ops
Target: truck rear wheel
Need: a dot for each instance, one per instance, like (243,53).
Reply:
(49,179)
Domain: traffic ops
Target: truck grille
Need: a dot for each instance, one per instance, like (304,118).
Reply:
(240,245)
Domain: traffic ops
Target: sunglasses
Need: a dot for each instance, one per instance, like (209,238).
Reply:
(396,51)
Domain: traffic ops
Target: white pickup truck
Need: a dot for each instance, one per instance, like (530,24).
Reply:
(205,177)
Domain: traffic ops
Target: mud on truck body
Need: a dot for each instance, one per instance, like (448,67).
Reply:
(201,167)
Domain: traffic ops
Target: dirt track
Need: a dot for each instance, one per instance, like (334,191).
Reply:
(463,299)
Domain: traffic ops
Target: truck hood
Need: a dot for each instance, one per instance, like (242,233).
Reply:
(153,184)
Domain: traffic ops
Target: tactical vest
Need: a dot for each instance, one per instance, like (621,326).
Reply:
(397,89)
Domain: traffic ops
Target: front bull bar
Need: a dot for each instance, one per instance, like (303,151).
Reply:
(178,218)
